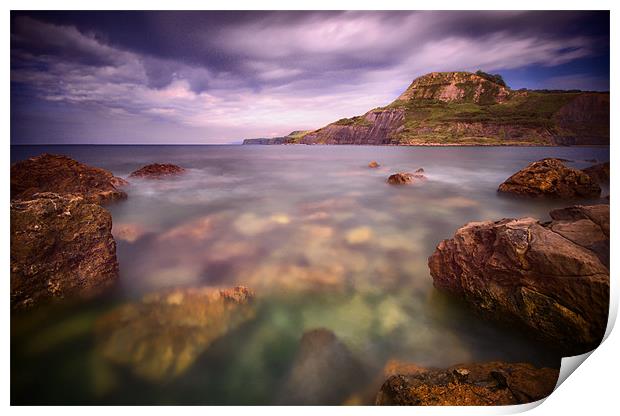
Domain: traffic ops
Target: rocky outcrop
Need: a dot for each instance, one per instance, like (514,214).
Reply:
(162,335)
(551,278)
(157,171)
(63,175)
(403,178)
(551,178)
(375,127)
(599,173)
(324,371)
(455,87)
(61,247)
(480,384)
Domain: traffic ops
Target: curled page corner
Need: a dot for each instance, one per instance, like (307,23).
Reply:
(570,364)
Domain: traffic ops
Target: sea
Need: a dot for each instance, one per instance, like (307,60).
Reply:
(322,240)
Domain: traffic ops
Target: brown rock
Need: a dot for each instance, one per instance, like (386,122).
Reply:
(324,371)
(494,383)
(551,178)
(402,178)
(599,173)
(63,175)
(160,337)
(373,164)
(552,278)
(61,246)
(157,171)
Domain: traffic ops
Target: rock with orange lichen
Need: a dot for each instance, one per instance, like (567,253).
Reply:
(63,175)
(61,247)
(162,335)
(403,178)
(480,384)
(551,178)
(157,171)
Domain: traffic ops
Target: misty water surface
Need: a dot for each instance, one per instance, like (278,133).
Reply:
(321,239)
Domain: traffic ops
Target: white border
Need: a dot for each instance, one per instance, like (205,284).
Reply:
(592,390)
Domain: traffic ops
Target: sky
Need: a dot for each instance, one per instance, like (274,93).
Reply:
(222,76)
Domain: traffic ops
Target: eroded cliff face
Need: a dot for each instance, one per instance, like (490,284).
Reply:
(463,108)
(375,127)
(455,87)
(584,120)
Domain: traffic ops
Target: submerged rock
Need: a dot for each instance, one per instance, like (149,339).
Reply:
(157,171)
(480,384)
(324,371)
(373,164)
(553,278)
(128,232)
(61,246)
(402,178)
(63,175)
(161,336)
(599,173)
(551,178)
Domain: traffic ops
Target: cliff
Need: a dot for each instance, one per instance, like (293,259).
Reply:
(291,138)
(463,108)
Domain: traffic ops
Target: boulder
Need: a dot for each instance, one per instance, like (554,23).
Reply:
(552,278)
(157,171)
(373,164)
(63,175)
(599,173)
(324,371)
(551,178)
(402,178)
(61,247)
(161,336)
(478,384)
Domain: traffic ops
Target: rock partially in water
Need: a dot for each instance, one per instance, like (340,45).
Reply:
(373,164)
(61,247)
(160,337)
(63,175)
(553,277)
(551,178)
(324,371)
(479,384)
(402,178)
(157,171)
(599,173)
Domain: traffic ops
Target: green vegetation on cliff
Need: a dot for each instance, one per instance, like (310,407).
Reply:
(464,108)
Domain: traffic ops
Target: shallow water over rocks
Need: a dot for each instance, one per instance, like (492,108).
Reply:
(322,240)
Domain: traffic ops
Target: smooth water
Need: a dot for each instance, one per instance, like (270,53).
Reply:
(322,240)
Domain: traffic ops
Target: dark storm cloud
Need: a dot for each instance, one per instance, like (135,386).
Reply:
(260,73)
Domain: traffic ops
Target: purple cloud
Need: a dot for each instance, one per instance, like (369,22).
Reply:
(262,74)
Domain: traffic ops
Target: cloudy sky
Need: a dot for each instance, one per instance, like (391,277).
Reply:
(219,77)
